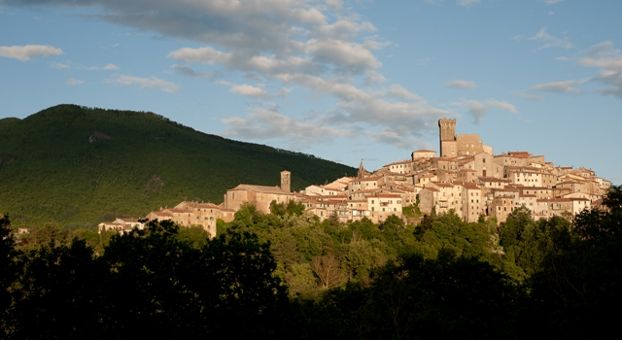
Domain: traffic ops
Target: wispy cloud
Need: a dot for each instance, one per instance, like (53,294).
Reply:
(74,82)
(547,40)
(248,90)
(462,84)
(561,86)
(106,67)
(321,47)
(146,83)
(463,3)
(478,108)
(111,67)
(61,66)
(26,52)
(269,123)
(467,3)
(552,2)
(607,59)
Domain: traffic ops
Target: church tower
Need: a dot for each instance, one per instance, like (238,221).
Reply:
(447,137)
(286,181)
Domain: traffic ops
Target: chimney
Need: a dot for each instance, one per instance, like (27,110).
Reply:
(286,181)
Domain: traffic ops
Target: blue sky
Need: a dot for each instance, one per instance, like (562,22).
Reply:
(343,80)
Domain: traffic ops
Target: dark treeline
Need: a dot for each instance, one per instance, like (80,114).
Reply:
(288,275)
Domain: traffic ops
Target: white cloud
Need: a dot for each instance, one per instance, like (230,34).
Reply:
(146,83)
(205,55)
(345,56)
(552,2)
(462,84)
(463,3)
(403,93)
(248,90)
(60,66)
(26,52)
(467,3)
(110,67)
(74,82)
(478,109)
(335,5)
(269,123)
(297,44)
(562,86)
(547,40)
(608,60)
(106,67)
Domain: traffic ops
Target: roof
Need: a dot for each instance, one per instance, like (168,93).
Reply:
(493,179)
(470,185)
(261,188)
(517,154)
(399,162)
(197,205)
(161,213)
(386,196)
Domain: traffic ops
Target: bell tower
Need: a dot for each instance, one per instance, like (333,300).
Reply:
(286,181)
(447,137)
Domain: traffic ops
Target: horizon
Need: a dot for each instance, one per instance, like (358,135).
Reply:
(343,81)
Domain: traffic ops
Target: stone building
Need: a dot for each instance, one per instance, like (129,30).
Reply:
(120,225)
(194,214)
(260,195)
(452,145)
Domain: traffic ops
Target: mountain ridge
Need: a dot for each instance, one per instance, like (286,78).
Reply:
(76,166)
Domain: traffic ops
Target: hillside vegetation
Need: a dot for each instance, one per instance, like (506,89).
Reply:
(74,166)
(286,275)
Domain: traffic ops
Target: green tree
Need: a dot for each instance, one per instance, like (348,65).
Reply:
(8,274)
(580,284)
(60,296)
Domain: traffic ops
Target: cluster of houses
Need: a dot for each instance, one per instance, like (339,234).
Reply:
(465,178)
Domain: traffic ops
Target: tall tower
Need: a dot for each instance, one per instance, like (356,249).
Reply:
(286,181)
(447,137)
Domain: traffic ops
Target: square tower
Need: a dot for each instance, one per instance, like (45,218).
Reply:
(447,137)
(286,181)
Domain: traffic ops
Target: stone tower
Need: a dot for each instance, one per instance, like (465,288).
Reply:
(286,181)
(447,137)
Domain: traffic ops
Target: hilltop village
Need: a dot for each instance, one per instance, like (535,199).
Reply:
(466,177)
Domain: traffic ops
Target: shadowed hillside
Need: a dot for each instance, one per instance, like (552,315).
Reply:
(76,166)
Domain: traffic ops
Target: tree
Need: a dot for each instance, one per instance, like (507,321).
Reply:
(8,273)
(328,270)
(60,296)
(581,282)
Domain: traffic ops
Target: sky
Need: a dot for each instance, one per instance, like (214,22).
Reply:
(342,80)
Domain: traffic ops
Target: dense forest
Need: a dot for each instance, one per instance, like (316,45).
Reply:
(288,275)
(75,166)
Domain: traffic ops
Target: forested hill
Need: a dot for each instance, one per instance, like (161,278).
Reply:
(75,166)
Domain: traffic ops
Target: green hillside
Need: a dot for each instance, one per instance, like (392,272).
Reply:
(75,166)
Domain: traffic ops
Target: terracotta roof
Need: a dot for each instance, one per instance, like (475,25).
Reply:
(386,196)
(537,188)
(493,179)
(470,186)
(555,200)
